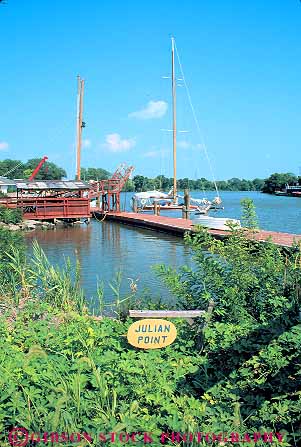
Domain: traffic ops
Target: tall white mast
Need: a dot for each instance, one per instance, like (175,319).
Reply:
(79,119)
(174,119)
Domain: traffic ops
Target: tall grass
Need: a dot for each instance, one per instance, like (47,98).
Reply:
(35,278)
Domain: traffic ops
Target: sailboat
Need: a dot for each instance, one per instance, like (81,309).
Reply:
(145,201)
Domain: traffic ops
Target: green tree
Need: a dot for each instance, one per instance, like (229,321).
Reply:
(129,186)
(163,182)
(234,184)
(9,165)
(278,181)
(183,183)
(94,174)
(258,184)
(48,171)
(139,182)
(222,185)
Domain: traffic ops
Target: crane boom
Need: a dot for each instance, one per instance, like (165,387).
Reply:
(38,168)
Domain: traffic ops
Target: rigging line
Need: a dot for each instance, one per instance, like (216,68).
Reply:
(196,120)
(13,169)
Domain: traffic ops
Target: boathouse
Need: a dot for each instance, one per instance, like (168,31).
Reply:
(51,199)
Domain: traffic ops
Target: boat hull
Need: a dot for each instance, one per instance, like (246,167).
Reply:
(215,223)
(167,207)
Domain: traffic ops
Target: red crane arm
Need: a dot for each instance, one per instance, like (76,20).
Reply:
(38,168)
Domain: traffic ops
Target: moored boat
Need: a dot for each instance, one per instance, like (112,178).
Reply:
(215,223)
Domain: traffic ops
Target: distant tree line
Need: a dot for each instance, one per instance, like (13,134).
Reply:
(141,183)
(269,185)
(14,169)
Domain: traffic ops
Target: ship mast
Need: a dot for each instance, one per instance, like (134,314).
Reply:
(80,123)
(174,119)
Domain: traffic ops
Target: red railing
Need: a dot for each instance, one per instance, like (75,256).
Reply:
(50,207)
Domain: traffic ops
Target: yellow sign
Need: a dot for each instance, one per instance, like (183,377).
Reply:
(151,333)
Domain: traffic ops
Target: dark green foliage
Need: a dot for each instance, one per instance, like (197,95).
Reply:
(94,174)
(69,373)
(9,165)
(278,181)
(129,186)
(49,170)
(252,345)
(10,215)
(10,242)
(142,183)
(63,371)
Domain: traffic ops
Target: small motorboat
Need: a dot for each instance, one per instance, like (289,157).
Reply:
(215,223)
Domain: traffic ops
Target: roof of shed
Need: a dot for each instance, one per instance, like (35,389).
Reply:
(6,181)
(52,184)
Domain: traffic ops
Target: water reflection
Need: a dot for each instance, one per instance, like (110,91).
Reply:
(108,247)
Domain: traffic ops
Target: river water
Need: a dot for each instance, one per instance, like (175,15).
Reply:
(105,248)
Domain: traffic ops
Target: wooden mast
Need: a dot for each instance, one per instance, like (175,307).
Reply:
(80,103)
(174,119)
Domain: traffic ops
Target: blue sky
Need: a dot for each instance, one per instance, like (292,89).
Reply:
(242,62)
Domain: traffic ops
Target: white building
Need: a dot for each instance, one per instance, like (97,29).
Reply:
(5,183)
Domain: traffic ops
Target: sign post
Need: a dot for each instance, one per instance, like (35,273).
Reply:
(151,333)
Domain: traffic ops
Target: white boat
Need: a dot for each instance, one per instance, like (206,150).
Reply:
(215,223)
(145,201)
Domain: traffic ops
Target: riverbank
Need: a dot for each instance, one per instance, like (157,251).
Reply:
(28,225)
(71,373)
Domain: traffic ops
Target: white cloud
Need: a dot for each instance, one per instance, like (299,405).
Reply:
(4,146)
(115,143)
(153,109)
(86,143)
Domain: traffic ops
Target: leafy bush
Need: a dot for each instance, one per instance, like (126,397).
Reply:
(252,344)
(249,217)
(10,216)
(10,242)
(68,373)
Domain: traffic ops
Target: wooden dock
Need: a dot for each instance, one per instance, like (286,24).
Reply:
(179,226)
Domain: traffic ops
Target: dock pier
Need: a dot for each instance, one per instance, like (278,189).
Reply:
(178,226)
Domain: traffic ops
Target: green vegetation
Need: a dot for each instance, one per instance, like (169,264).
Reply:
(238,370)
(278,181)
(10,215)
(252,345)
(141,183)
(94,174)
(49,171)
(249,217)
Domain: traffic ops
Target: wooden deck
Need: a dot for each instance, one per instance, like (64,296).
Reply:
(179,226)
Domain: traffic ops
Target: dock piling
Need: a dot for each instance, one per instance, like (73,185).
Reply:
(186,207)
